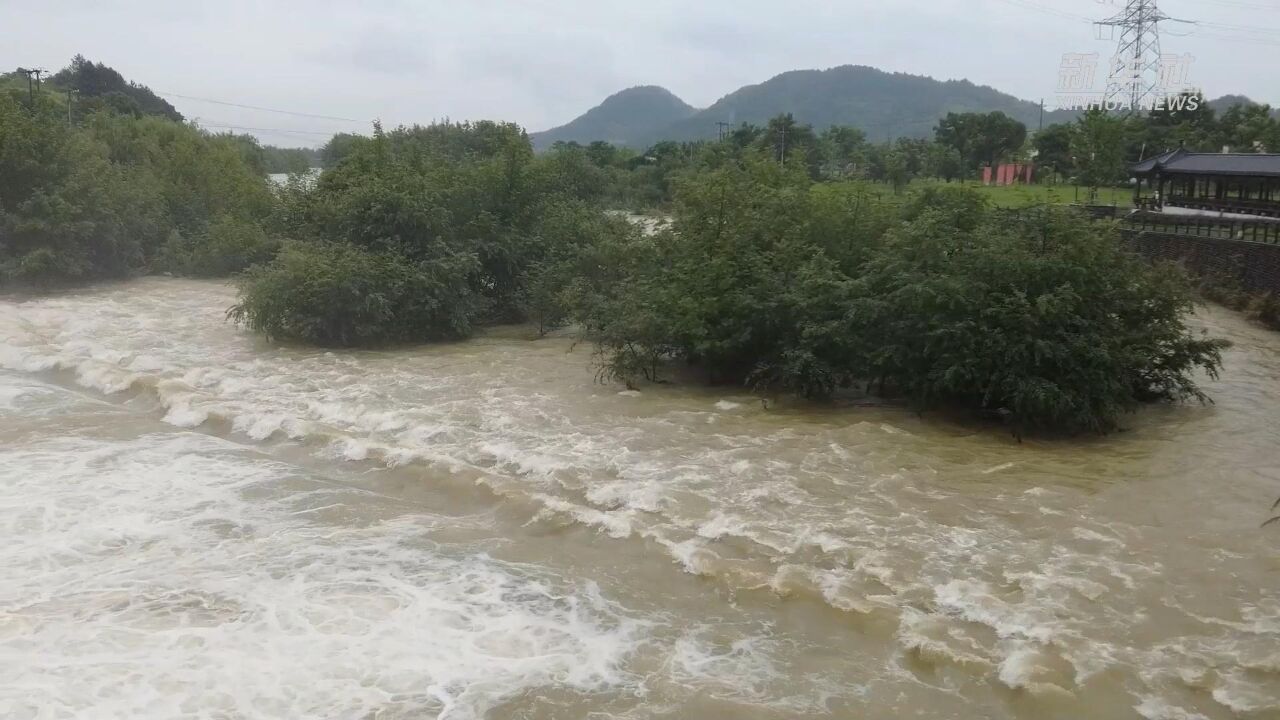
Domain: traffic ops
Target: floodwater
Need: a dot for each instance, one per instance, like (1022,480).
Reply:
(194,523)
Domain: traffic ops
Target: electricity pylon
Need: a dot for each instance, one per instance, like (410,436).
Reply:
(1134,81)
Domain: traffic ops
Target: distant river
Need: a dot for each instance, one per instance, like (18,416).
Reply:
(281,178)
(196,524)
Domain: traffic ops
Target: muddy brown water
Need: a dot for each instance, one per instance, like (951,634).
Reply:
(194,523)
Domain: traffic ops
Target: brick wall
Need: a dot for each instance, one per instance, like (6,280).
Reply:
(1256,266)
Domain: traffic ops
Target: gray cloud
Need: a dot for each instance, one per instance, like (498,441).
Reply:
(542,62)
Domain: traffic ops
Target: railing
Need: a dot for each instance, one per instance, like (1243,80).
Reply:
(1260,231)
(1261,208)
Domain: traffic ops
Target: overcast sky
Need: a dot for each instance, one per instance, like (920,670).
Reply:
(542,62)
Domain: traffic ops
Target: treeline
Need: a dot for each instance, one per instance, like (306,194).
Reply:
(424,232)
(766,278)
(1098,148)
(119,194)
(1095,150)
(641,180)
(276,160)
(784,268)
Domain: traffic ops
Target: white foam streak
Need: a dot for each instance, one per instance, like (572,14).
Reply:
(173,576)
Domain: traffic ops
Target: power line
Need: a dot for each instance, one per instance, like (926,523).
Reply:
(256,107)
(1242,4)
(1236,28)
(228,126)
(1233,38)
(1030,5)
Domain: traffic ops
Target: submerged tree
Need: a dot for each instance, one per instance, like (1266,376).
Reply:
(1047,323)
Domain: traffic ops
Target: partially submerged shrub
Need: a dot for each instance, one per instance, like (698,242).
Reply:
(1264,308)
(339,295)
(226,247)
(1226,290)
(1048,322)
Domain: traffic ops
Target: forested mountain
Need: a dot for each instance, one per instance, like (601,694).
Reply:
(1226,102)
(622,118)
(882,104)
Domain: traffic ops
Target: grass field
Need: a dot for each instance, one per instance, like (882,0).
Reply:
(1017,196)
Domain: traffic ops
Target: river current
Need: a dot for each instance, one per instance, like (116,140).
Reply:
(198,524)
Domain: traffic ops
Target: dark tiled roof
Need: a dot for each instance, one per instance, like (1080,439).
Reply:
(1146,166)
(1181,162)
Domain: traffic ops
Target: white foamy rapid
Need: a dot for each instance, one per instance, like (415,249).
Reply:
(194,523)
(179,575)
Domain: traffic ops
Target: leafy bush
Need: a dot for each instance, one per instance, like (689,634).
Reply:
(336,294)
(1049,322)
(769,281)
(483,230)
(102,199)
(748,285)
(227,247)
(1226,289)
(1264,308)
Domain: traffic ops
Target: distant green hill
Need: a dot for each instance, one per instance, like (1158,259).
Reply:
(884,105)
(96,86)
(93,81)
(621,118)
(1226,102)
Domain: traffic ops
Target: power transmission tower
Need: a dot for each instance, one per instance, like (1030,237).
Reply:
(721,126)
(1134,80)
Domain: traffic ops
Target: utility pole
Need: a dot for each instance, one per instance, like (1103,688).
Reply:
(1042,113)
(70,93)
(31,97)
(783,158)
(1134,80)
(32,89)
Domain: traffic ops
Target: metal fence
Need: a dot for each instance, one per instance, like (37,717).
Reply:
(1259,231)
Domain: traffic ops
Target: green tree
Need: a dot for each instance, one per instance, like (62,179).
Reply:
(1249,128)
(981,137)
(1098,148)
(896,170)
(844,151)
(1049,323)
(1053,149)
(338,148)
(341,295)
(112,196)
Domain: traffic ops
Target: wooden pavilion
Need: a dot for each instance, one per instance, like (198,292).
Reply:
(1222,184)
